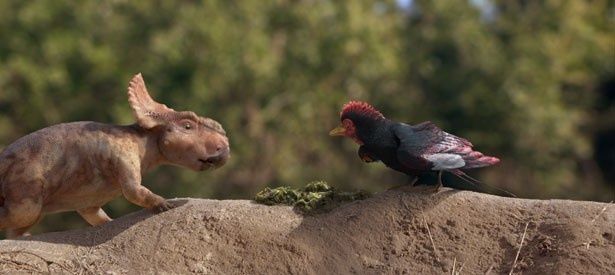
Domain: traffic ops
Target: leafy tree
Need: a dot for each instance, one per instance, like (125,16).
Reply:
(520,82)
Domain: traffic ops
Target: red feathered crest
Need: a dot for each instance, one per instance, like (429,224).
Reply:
(362,108)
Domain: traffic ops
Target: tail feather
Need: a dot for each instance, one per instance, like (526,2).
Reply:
(465,177)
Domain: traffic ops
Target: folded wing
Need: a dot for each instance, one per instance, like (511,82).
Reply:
(426,147)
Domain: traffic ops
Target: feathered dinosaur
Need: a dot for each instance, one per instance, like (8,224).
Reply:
(415,150)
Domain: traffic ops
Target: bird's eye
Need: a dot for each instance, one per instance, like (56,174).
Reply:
(187,126)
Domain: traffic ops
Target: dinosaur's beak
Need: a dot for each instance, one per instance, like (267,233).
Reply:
(338,131)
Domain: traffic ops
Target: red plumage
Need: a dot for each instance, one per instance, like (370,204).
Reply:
(361,108)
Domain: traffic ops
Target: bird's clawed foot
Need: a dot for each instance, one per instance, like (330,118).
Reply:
(428,189)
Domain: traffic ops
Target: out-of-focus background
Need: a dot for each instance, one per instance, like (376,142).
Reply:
(532,82)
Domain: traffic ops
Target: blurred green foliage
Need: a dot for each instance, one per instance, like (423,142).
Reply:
(521,81)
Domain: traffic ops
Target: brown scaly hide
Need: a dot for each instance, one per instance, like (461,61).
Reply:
(83,165)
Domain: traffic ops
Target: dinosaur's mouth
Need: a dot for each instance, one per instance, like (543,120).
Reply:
(209,163)
(214,162)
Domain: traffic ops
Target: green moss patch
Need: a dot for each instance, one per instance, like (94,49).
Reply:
(316,195)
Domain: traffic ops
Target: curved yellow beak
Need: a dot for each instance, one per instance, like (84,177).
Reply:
(338,131)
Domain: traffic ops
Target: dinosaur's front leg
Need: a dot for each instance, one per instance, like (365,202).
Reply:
(143,197)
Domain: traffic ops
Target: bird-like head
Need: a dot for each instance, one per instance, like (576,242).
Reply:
(354,115)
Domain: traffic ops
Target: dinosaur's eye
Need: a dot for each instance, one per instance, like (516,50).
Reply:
(187,126)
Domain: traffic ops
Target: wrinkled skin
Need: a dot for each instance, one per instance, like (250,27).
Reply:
(83,165)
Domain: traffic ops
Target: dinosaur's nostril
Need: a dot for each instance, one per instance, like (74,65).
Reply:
(219,148)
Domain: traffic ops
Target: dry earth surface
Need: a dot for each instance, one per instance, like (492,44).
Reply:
(396,232)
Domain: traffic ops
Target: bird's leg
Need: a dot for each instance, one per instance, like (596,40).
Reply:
(422,184)
(414,181)
(439,184)
(430,186)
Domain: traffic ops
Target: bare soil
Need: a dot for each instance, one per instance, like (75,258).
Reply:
(399,231)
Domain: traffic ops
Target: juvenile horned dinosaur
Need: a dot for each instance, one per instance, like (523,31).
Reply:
(83,165)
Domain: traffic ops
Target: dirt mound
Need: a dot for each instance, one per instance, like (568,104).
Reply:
(398,231)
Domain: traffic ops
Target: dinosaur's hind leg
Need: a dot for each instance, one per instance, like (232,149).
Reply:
(23,231)
(19,217)
(22,206)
